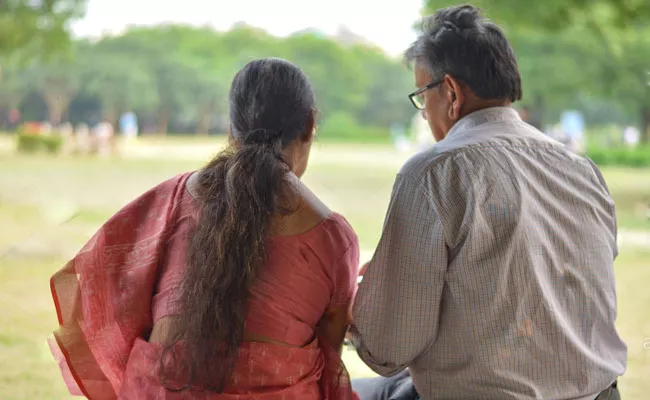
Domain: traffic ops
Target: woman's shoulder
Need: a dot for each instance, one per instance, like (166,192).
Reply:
(176,183)
(341,228)
(333,235)
(324,225)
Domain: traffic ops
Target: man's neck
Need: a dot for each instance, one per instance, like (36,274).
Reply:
(481,104)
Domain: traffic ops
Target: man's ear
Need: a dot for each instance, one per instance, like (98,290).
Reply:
(455,97)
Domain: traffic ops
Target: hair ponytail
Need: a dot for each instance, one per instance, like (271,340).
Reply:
(238,194)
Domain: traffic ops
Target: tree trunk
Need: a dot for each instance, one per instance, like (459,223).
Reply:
(110,115)
(205,120)
(645,124)
(163,121)
(57,95)
(57,103)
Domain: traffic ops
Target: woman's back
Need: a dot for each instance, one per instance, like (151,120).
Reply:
(304,276)
(241,286)
(311,267)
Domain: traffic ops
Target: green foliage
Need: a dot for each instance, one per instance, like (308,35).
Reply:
(178,77)
(620,156)
(338,78)
(557,15)
(36,27)
(569,50)
(388,83)
(12,86)
(29,144)
(58,81)
(343,128)
(119,85)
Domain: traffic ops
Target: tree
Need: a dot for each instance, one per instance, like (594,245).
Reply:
(245,43)
(389,83)
(553,78)
(178,77)
(31,29)
(210,83)
(555,15)
(608,42)
(13,89)
(213,68)
(37,27)
(624,69)
(339,79)
(120,84)
(155,49)
(58,82)
(13,86)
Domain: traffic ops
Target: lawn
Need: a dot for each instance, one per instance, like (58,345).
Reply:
(50,206)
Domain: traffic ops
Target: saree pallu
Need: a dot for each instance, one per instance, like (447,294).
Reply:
(103,300)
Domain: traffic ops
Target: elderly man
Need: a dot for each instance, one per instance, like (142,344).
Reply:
(493,278)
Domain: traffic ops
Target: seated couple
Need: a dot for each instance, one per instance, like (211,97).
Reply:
(493,277)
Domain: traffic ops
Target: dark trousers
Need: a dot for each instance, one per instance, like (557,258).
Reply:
(611,393)
(400,387)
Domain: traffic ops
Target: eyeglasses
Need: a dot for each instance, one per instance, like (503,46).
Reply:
(416,97)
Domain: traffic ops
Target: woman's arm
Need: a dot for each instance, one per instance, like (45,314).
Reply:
(350,319)
(334,324)
(103,295)
(333,327)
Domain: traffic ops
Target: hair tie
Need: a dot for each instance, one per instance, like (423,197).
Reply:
(262,136)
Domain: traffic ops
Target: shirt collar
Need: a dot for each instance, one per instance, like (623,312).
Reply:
(491,114)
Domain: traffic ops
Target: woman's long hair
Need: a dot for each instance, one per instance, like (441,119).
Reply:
(238,193)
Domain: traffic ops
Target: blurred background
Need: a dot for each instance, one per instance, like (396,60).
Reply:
(102,99)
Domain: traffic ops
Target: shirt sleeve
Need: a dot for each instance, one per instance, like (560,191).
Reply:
(397,306)
(613,223)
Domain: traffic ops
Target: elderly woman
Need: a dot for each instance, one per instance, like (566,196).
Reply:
(233,282)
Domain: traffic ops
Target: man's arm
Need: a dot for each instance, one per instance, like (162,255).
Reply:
(613,223)
(397,308)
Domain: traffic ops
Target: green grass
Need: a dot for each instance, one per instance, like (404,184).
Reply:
(620,155)
(39,195)
(630,188)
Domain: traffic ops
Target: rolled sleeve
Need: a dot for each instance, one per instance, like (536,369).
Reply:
(397,307)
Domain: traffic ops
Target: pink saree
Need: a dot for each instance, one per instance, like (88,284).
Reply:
(103,299)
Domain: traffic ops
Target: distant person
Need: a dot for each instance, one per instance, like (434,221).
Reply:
(422,133)
(400,141)
(232,282)
(573,126)
(82,139)
(494,276)
(631,136)
(66,132)
(129,125)
(14,117)
(104,134)
(45,128)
